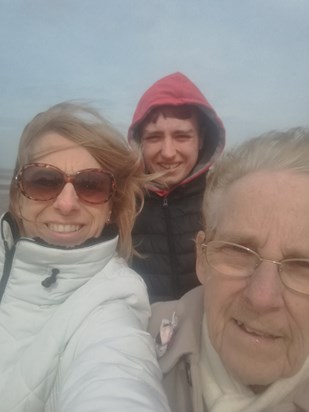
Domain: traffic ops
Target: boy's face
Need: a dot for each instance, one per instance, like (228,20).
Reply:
(171,145)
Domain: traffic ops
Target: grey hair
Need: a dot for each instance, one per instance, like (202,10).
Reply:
(276,150)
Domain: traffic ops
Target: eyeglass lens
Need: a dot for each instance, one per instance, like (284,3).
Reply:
(237,261)
(230,259)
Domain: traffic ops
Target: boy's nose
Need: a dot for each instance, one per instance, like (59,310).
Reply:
(168,148)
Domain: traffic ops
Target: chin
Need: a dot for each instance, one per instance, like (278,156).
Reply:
(65,243)
(257,380)
(172,183)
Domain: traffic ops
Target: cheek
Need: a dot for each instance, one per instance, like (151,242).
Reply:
(299,322)
(98,225)
(29,212)
(148,151)
(215,302)
(26,206)
(195,156)
(100,217)
(191,154)
(220,298)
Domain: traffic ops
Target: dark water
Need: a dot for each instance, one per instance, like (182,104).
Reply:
(5,179)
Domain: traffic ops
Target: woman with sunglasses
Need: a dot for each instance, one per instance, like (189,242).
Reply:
(72,314)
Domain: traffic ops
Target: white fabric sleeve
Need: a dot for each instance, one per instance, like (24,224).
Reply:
(110,365)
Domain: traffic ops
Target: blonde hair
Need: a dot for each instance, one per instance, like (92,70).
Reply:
(276,150)
(86,127)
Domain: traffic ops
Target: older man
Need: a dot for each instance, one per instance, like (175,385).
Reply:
(180,135)
(241,342)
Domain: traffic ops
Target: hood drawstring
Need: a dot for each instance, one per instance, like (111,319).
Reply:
(50,279)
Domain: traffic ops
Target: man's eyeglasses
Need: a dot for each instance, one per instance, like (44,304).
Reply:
(40,181)
(231,259)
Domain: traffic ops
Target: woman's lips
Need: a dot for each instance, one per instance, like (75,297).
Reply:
(63,228)
(255,332)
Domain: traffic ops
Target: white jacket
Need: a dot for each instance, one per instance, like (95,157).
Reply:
(80,344)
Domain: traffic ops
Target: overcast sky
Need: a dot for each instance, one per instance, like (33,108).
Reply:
(249,57)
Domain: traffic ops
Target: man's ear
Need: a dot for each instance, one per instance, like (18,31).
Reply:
(200,257)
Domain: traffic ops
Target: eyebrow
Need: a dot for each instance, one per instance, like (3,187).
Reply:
(244,240)
(186,131)
(251,242)
(155,132)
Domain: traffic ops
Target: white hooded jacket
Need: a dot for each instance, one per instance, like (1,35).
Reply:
(79,342)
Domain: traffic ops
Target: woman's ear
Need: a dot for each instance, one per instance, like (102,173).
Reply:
(200,256)
(108,219)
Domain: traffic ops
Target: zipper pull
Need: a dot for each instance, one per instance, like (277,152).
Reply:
(50,279)
(165,204)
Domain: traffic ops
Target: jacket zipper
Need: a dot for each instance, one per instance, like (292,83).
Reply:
(171,246)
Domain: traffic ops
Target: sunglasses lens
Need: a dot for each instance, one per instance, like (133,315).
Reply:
(41,183)
(94,187)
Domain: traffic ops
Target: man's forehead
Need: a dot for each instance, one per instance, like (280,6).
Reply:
(172,123)
(177,112)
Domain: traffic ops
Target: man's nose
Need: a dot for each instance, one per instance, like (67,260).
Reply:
(67,201)
(264,288)
(168,148)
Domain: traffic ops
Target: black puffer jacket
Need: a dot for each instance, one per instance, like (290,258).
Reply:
(164,234)
(165,231)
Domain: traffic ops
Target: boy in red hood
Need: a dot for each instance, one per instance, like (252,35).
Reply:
(180,134)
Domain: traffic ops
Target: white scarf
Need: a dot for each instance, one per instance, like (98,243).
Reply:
(222,393)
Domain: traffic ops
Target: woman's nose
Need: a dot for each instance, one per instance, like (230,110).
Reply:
(67,200)
(264,288)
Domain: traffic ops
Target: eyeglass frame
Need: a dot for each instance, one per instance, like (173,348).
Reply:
(259,261)
(68,178)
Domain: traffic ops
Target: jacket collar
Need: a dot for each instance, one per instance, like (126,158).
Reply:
(34,262)
(197,186)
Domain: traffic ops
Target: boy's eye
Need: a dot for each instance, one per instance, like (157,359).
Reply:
(151,138)
(182,137)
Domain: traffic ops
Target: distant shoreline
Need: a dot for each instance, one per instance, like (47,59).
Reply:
(5,179)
